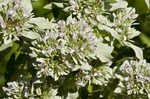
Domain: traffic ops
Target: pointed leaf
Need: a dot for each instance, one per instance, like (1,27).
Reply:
(118,5)
(103,52)
(132,33)
(48,6)
(138,51)
(41,22)
(2,23)
(5,46)
(72,95)
(30,34)
(60,5)
(110,30)
(147,3)
(27,7)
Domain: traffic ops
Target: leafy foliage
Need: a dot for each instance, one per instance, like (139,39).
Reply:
(81,55)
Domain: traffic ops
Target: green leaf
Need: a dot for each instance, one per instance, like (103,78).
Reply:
(145,39)
(111,1)
(90,88)
(41,22)
(6,58)
(30,34)
(2,79)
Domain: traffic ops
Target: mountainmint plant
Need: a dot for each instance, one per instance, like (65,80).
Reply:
(74,58)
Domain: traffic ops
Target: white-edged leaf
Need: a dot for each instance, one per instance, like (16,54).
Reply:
(119,4)
(30,34)
(147,3)
(41,22)
(85,66)
(27,7)
(138,51)
(101,18)
(48,6)
(110,30)
(60,5)
(2,23)
(103,52)
(104,20)
(132,33)
(5,46)
(72,95)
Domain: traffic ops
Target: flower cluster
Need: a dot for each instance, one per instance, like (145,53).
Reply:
(14,17)
(135,77)
(74,56)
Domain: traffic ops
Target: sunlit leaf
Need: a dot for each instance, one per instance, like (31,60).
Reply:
(72,95)
(138,51)
(103,52)
(41,22)
(5,46)
(110,30)
(118,5)
(133,33)
(147,3)
(48,6)
(60,5)
(30,34)
(27,7)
